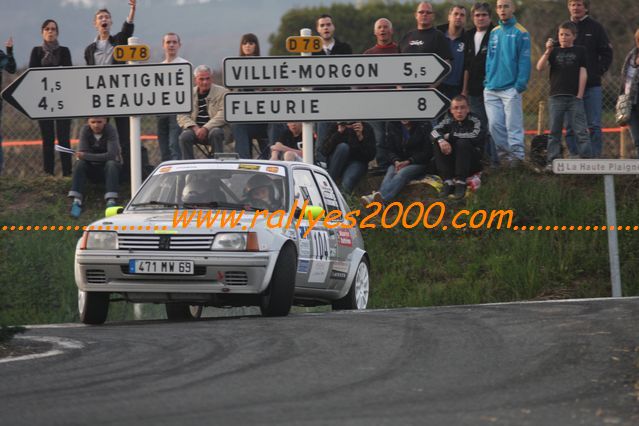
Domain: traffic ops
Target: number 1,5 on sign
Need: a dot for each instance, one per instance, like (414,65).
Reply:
(53,87)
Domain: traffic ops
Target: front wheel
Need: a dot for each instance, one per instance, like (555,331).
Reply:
(93,307)
(182,311)
(357,296)
(277,299)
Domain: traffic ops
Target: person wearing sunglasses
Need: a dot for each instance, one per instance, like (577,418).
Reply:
(426,39)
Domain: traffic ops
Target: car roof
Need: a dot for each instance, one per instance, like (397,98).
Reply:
(286,164)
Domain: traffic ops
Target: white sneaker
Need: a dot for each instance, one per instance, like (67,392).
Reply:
(367,199)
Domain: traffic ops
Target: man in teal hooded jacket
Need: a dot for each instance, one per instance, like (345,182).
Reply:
(507,73)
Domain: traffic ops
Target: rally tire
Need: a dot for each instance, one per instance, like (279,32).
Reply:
(277,299)
(93,307)
(357,296)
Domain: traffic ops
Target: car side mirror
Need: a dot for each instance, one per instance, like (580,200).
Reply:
(112,211)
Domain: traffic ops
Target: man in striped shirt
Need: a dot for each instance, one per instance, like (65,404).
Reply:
(205,124)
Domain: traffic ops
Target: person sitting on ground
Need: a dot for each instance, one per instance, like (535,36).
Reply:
(205,124)
(99,158)
(349,148)
(410,153)
(458,141)
(287,146)
(259,193)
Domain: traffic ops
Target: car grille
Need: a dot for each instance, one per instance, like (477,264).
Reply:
(165,242)
(235,278)
(95,276)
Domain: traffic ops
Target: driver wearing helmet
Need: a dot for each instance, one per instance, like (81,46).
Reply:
(260,193)
(197,191)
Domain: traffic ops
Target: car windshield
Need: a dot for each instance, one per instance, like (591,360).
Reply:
(228,186)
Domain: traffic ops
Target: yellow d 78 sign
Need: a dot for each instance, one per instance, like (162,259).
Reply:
(301,44)
(139,52)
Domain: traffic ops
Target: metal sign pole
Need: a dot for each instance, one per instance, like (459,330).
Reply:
(136,141)
(307,128)
(613,245)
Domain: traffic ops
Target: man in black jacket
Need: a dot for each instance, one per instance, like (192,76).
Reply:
(330,46)
(100,52)
(592,35)
(349,148)
(410,153)
(476,48)
(458,141)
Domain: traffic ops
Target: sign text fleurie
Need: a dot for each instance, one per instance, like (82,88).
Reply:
(114,90)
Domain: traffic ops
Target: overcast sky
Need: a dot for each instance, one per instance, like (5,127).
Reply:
(210,29)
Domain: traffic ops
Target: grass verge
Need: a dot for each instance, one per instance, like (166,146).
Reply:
(418,267)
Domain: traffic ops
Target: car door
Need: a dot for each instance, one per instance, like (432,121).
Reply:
(340,237)
(314,250)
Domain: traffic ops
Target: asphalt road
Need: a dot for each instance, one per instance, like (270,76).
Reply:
(559,363)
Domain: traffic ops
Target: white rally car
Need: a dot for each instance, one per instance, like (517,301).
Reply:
(197,234)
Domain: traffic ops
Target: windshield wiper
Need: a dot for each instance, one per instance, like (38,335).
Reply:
(156,203)
(215,205)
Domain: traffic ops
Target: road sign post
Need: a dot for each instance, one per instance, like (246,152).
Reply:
(308,146)
(136,134)
(608,168)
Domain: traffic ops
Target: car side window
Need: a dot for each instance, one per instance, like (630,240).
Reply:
(328,192)
(306,188)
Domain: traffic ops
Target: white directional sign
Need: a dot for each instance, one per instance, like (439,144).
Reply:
(67,92)
(347,70)
(596,167)
(246,107)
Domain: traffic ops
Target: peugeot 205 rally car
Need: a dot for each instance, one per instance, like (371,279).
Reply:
(225,233)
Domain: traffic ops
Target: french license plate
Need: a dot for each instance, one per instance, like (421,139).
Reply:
(171,267)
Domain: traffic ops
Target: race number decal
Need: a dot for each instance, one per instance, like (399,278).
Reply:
(319,240)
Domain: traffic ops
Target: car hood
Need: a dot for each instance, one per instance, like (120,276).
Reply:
(182,222)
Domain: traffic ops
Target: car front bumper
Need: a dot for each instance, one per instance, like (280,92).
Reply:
(215,272)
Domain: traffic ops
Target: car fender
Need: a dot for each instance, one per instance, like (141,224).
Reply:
(278,240)
(356,257)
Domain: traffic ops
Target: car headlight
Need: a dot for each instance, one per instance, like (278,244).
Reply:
(101,240)
(229,241)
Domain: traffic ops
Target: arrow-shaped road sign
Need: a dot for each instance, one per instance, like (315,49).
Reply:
(67,92)
(347,70)
(409,104)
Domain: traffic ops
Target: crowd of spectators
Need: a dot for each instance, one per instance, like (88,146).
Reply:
(490,68)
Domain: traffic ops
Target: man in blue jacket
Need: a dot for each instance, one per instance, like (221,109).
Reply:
(507,74)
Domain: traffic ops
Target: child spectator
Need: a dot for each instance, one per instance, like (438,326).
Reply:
(568,76)
(287,147)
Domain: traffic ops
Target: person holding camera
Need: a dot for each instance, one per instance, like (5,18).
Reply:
(349,148)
